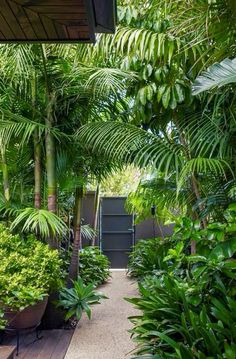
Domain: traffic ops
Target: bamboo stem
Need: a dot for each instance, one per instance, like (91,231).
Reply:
(37,171)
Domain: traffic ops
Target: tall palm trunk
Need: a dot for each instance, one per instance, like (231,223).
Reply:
(49,140)
(37,171)
(96,212)
(6,186)
(51,161)
(74,263)
(50,147)
(37,150)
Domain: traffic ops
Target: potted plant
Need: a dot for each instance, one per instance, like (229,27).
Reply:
(29,271)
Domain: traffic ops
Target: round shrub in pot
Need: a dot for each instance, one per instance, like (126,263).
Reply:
(29,272)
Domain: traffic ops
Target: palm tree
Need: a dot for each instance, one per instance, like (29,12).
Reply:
(64,95)
(178,135)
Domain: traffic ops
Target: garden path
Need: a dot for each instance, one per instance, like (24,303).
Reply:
(106,336)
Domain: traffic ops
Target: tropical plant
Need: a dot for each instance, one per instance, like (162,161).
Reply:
(41,222)
(93,266)
(183,139)
(43,103)
(181,310)
(78,299)
(172,327)
(218,75)
(29,270)
(148,256)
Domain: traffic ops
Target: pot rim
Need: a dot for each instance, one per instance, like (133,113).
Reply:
(15,310)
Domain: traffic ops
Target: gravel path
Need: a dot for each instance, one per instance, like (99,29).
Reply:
(106,336)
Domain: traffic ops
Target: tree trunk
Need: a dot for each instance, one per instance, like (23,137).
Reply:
(96,212)
(49,140)
(6,186)
(50,146)
(51,169)
(37,171)
(37,149)
(74,263)
(51,160)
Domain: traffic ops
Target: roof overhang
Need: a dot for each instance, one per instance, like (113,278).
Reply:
(55,20)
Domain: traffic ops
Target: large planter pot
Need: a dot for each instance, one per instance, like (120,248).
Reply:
(29,317)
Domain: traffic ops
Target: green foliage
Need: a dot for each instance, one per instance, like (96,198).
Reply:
(175,324)
(2,320)
(122,182)
(41,222)
(29,270)
(78,299)
(93,266)
(159,192)
(148,257)
(216,76)
(188,308)
(186,140)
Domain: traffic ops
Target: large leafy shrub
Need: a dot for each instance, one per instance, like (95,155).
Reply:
(156,256)
(93,266)
(190,313)
(147,257)
(29,270)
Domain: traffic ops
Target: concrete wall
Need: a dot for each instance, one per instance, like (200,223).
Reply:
(148,229)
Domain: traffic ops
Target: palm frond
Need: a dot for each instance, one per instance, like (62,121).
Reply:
(127,143)
(218,75)
(41,222)
(88,232)
(202,165)
(16,125)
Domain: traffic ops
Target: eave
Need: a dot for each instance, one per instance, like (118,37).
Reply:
(65,21)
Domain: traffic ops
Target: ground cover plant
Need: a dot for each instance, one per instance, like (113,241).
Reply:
(147,257)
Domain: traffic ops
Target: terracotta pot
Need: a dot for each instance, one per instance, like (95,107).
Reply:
(28,318)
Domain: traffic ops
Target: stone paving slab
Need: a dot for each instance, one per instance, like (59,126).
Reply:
(106,336)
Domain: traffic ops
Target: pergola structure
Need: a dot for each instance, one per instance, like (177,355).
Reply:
(55,20)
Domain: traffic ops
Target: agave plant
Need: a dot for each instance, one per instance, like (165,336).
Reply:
(78,299)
